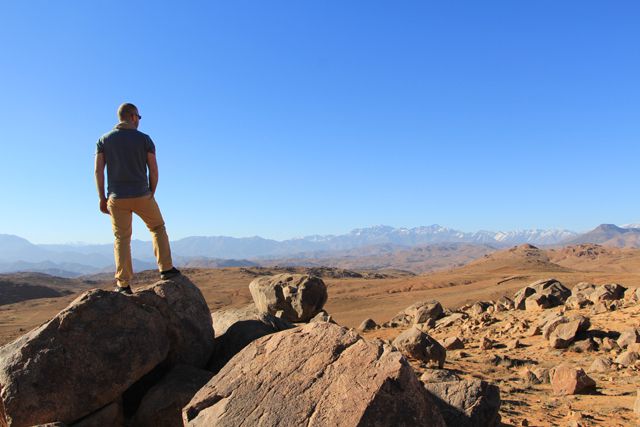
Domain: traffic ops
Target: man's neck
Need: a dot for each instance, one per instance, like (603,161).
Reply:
(126,125)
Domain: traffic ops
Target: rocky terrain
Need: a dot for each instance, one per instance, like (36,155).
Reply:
(494,342)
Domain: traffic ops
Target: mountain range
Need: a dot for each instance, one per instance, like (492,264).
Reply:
(70,260)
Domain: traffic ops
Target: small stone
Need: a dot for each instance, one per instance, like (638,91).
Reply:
(453,343)
(627,358)
(486,343)
(528,376)
(600,364)
(584,346)
(567,381)
(609,344)
(533,331)
(629,336)
(543,375)
(512,345)
(367,325)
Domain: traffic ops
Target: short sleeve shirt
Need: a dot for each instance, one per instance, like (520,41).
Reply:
(125,153)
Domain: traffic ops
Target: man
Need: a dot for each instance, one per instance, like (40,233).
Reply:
(127,153)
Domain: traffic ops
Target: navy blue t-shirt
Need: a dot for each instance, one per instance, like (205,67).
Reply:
(125,152)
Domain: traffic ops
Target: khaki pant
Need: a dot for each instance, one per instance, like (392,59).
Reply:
(121,216)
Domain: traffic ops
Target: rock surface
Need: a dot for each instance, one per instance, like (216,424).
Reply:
(367,325)
(96,348)
(249,325)
(111,415)
(554,292)
(467,403)
(189,321)
(628,337)
(302,376)
(162,405)
(567,380)
(607,292)
(453,343)
(299,296)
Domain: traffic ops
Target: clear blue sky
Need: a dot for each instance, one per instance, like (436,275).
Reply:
(289,118)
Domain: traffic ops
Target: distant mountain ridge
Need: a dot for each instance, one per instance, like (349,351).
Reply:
(610,235)
(18,254)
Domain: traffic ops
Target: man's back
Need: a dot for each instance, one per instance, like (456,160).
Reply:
(125,152)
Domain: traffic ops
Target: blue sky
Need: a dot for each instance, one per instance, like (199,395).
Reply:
(290,118)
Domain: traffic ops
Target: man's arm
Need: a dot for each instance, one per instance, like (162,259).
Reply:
(99,172)
(153,172)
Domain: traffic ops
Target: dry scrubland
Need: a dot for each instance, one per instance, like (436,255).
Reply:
(380,297)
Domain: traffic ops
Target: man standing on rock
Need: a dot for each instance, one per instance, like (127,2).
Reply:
(127,153)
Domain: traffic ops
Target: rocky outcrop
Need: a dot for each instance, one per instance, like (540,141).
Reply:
(607,292)
(418,345)
(302,376)
(479,307)
(162,404)
(546,293)
(467,403)
(102,343)
(298,297)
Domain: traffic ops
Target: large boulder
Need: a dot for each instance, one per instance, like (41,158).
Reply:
(537,302)
(421,312)
(96,348)
(583,288)
(249,325)
(565,333)
(188,317)
(467,403)
(162,404)
(319,374)
(554,292)
(608,292)
(418,345)
(299,297)
(82,359)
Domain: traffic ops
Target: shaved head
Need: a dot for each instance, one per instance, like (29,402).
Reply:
(126,110)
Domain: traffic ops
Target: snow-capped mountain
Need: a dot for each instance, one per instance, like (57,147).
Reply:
(86,257)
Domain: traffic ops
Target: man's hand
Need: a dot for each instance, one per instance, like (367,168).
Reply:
(103,206)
